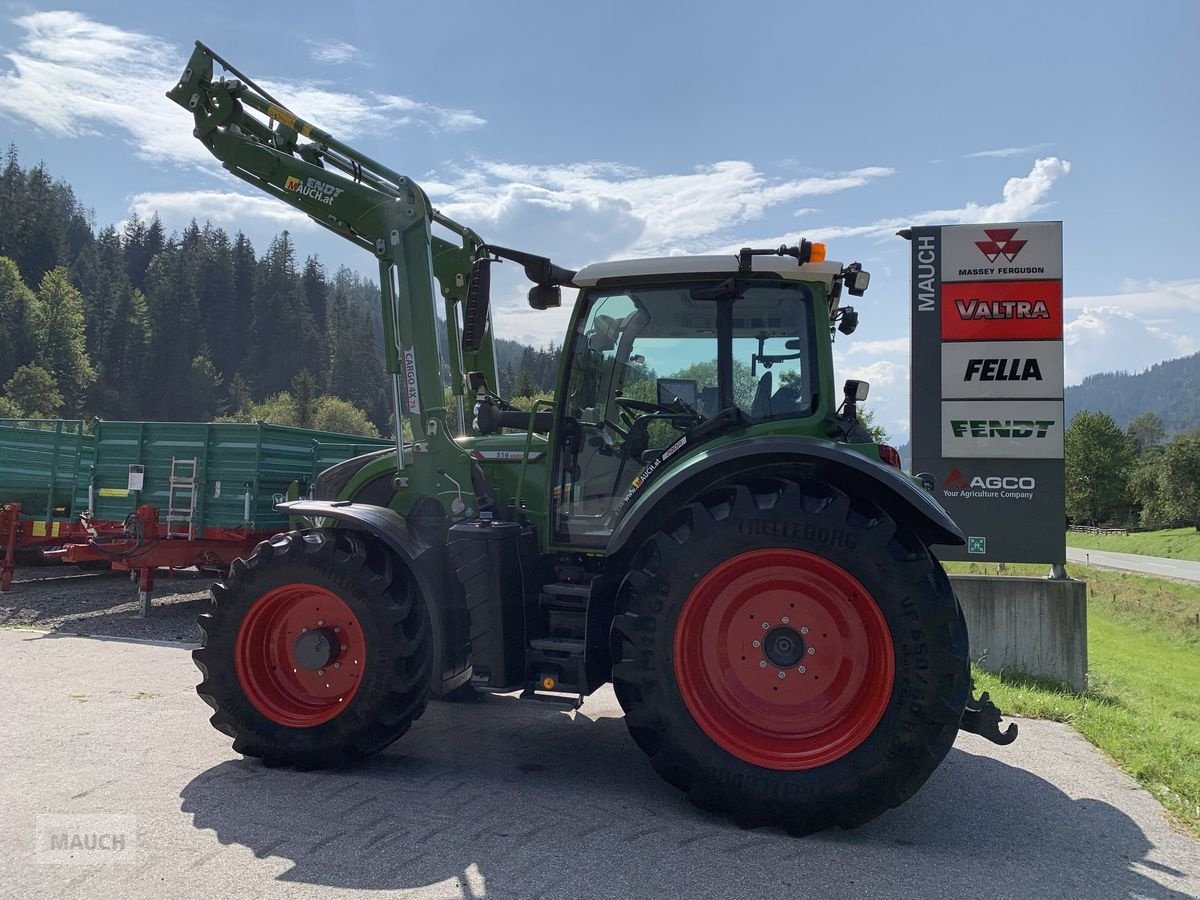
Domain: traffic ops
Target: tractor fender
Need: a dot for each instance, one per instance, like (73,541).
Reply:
(904,500)
(427,563)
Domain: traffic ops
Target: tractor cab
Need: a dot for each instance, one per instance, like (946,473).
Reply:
(665,354)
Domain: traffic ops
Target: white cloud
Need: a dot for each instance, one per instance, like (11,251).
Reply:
(1101,335)
(898,346)
(588,211)
(225,208)
(331,51)
(1004,152)
(1145,296)
(1021,198)
(72,76)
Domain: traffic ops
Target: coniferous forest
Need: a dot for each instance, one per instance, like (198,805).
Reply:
(134,323)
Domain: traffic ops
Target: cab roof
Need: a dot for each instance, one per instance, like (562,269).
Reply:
(783,266)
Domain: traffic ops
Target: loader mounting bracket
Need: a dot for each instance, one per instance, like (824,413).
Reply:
(982,717)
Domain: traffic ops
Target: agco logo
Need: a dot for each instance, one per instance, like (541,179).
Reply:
(988,487)
(956,480)
(1002,242)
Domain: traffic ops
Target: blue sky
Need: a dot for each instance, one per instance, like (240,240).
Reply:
(609,130)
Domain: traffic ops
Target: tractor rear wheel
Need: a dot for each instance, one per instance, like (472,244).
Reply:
(789,655)
(317,650)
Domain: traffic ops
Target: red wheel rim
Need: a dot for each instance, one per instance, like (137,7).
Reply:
(766,612)
(300,655)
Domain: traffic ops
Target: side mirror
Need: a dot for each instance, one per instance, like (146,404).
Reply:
(545,296)
(603,336)
(475,310)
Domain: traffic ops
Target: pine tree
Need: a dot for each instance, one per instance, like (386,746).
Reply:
(34,393)
(61,341)
(12,204)
(17,343)
(42,240)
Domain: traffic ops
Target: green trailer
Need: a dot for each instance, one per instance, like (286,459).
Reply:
(146,495)
(208,476)
(40,460)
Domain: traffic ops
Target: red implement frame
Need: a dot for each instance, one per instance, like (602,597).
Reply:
(145,548)
(18,532)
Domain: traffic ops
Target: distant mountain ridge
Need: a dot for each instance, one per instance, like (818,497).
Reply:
(1170,390)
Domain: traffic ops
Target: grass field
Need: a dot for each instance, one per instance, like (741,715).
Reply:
(1173,543)
(1142,707)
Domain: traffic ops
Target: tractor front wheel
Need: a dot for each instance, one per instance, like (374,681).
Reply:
(317,650)
(787,654)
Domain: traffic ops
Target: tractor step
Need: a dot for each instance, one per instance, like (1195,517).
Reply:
(566,701)
(568,646)
(562,595)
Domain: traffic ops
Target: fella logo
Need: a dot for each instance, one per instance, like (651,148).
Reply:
(1003,370)
(1000,242)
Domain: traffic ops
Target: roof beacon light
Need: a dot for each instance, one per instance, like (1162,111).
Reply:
(817,253)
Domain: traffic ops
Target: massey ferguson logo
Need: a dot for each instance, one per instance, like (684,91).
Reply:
(1002,242)
(988,487)
(1002,309)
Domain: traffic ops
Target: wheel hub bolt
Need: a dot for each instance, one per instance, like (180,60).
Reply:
(762,663)
(804,629)
(783,674)
(758,643)
(812,650)
(801,670)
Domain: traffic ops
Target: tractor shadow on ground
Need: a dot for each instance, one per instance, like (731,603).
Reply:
(525,802)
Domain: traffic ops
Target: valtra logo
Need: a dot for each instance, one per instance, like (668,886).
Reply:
(1002,243)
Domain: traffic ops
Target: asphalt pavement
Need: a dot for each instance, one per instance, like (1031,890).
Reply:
(506,799)
(1182,569)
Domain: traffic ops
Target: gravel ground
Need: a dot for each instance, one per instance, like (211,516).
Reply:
(71,601)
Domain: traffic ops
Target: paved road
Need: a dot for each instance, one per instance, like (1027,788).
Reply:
(502,799)
(1182,569)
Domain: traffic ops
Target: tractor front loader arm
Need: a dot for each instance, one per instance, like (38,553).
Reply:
(262,142)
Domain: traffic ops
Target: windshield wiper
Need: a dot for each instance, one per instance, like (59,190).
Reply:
(729,289)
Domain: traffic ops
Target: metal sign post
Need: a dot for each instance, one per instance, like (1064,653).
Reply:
(987,385)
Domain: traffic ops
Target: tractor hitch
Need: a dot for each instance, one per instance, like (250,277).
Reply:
(982,717)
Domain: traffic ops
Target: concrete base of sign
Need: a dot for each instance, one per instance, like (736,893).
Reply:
(1037,626)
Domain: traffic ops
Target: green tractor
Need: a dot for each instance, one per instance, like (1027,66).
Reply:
(694,518)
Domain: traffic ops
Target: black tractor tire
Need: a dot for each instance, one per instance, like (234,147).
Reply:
(736,534)
(375,596)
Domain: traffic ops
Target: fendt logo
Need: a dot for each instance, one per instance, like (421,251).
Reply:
(987,487)
(1001,242)
(1001,428)
(314,189)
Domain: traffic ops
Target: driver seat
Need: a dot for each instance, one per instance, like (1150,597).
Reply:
(762,396)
